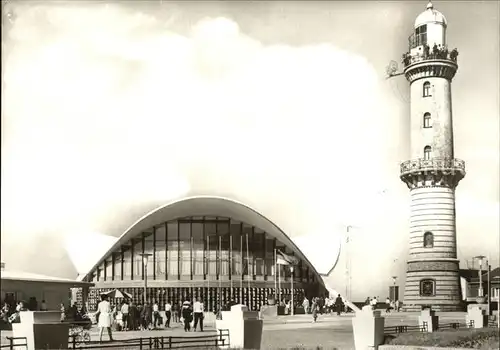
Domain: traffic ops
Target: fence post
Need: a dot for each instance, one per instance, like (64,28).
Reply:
(170,342)
(150,343)
(11,343)
(140,343)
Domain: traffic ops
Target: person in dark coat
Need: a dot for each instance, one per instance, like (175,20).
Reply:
(133,316)
(187,315)
(339,304)
(146,315)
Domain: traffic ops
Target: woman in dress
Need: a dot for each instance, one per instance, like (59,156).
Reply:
(314,309)
(104,321)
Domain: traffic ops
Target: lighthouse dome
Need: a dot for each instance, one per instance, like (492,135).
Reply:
(430,15)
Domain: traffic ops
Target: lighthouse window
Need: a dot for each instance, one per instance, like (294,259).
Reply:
(427,152)
(427,120)
(428,240)
(427,89)
(421,35)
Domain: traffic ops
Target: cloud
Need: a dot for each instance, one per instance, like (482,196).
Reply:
(106,106)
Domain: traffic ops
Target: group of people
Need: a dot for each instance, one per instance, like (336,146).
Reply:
(10,309)
(127,316)
(438,52)
(325,305)
(389,304)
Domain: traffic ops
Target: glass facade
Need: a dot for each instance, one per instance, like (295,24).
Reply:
(214,258)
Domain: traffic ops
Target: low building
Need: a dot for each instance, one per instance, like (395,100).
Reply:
(470,284)
(29,287)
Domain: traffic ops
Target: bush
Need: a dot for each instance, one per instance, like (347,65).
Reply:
(478,339)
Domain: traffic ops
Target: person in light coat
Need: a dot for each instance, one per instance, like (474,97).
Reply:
(104,312)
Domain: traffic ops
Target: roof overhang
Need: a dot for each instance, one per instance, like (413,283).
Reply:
(17,276)
(305,249)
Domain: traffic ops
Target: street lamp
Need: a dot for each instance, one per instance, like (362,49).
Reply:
(480,290)
(291,272)
(145,257)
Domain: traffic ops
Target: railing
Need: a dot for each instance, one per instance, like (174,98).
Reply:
(428,54)
(433,164)
(424,327)
(209,341)
(15,343)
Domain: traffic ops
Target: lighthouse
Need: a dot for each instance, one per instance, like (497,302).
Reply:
(432,172)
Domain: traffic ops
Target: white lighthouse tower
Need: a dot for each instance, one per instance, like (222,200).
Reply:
(432,173)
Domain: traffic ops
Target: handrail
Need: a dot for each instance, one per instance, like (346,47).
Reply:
(451,164)
(221,338)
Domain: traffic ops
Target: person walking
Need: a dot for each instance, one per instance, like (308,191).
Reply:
(168,314)
(305,305)
(314,309)
(388,304)
(125,315)
(339,304)
(104,313)
(198,310)
(187,315)
(175,313)
(156,315)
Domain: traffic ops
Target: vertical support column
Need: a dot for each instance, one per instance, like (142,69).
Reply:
(154,252)
(166,252)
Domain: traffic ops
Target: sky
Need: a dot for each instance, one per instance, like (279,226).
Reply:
(113,109)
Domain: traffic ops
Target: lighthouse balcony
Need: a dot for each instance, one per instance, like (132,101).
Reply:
(418,168)
(435,63)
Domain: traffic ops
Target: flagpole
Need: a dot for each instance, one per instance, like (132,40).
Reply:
(279,283)
(241,270)
(220,268)
(248,269)
(291,270)
(231,264)
(208,273)
(192,268)
(275,277)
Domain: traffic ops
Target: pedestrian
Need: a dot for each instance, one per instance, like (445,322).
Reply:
(187,315)
(168,314)
(314,309)
(125,315)
(156,315)
(198,310)
(388,305)
(104,313)
(339,304)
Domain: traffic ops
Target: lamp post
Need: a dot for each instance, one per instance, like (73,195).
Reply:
(292,304)
(480,292)
(145,258)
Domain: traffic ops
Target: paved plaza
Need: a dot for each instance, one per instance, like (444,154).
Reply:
(286,332)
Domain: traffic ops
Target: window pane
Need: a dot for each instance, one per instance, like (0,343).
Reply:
(127,264)
(160,234)
(270,255)
(172,254)
(236,255)
(148,248)
(223,232)
(109,270)
(247,257)
(185,248)
(118,266)
(198,247)
(137,259)
(213,244)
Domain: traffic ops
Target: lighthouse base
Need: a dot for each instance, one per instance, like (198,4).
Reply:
(433,284)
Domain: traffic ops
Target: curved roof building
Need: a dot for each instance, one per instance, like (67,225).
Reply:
(216,249)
